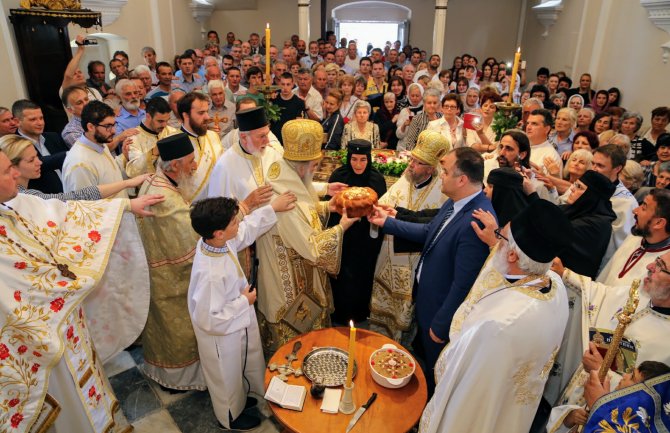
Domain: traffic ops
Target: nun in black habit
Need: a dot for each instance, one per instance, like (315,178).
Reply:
(590,213)
(352,287)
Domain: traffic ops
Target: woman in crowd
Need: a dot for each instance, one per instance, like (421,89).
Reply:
(397,87)
(613,97)
(471,101)
(360,126)
(385,118)
(332,74)
(589,210)
(502,82)
(23,156)
(487,77)
(445,78)
(431,106)
(450,125)
(601,122)
(617,113)
(352,287)
(333,124)
(576,102)
(462,88)
(641,150)
(415,99)
(359,86)
(504,187)
(579,161)
(552,83)
(482,138)
(652,169)
(660,117)
(456,66)
(585,140)
(599,103)
(632,177)
(346,86)
(558,99)
(562,136)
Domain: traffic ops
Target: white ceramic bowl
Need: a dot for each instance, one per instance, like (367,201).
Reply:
(391,382)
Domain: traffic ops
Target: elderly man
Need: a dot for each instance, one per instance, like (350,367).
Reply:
(193,111)
(392,305)
(170,349)
(584,119)
(142,152)
(221,111)
(311,96)
(49,366)
(294,294)
(643,340)
(352,60)
(130,114)
(8,123)
(501,334)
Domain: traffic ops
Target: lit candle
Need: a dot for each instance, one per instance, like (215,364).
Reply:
(515,69)
(268,79)
(352,344)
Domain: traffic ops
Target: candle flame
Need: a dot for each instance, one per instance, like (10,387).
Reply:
(351,323)
(518,50)
(267,25)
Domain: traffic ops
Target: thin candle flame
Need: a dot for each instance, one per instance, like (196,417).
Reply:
(518,50)
(351,323)
(267,25)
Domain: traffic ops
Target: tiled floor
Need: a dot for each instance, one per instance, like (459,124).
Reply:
(152,410)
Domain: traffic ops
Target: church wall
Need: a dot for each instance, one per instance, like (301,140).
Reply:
(620,46)
(282,16)
(11,71)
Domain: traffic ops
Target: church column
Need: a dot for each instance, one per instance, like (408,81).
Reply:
(440,27)
(303,19)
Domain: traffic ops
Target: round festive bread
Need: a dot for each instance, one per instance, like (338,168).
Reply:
(357,200)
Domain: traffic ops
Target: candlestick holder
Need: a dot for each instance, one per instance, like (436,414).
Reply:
(347,405)
(505,117)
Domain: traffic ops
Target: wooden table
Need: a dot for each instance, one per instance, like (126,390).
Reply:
(395,410)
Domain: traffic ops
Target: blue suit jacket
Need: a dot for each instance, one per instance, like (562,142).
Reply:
(450,267)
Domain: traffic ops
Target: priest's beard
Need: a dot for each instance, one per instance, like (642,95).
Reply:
(499,260)
(102,139)
(641,231)
(657,294)
(199,128)
(186,184)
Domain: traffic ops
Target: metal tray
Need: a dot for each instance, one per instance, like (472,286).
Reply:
(327,366)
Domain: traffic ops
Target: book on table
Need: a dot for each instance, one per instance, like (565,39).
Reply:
(285,395)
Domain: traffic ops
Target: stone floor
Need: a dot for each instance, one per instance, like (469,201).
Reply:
(152,410)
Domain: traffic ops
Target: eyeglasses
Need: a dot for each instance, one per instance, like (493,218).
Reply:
(500,236)
(450,107)
(107,127)
(660,265)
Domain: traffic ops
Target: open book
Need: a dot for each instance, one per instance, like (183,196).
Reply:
(285,395)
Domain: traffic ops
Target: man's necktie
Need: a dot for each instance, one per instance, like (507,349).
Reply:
(447,215)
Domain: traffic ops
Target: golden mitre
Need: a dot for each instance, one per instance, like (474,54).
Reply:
(430,147)
(302,140)
(57,5)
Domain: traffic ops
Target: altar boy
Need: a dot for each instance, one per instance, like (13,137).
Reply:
(220,303)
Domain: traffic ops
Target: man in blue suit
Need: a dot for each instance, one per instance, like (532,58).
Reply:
(452,255)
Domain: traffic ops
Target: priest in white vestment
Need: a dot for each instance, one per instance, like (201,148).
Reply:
(645,338)
(220,302)
(506,334)
(90,163)
(53,255)
(391,304)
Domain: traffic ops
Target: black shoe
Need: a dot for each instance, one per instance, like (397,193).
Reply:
(243,422)
(251,402)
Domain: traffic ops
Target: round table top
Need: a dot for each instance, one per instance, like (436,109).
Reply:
(395,410)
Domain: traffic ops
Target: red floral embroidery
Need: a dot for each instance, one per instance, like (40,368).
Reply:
(94,235)
(20,265)
(77,248)
(3,232)
(91,392)
(35,367)
(57,304)
(36,353)
(62,283)
(22,349)
(76,340)
(97,397)
(13,402)
(51,224)
(16,419)
(4,351)
(17,295)
(70,332)
(345,120)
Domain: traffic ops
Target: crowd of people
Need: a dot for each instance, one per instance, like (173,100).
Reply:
(501,257)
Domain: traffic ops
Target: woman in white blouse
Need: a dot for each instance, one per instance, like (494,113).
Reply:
(482,137)
(450,125)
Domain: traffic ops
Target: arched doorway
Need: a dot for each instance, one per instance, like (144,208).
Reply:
(372,22)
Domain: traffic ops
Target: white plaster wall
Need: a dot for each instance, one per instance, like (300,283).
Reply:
(11,71)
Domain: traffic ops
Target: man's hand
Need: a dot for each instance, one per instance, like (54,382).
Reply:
(250,294)
(336,187)
(284,202)
(137,180)
(258,197)
(576,417)
(593,389)
(347,222)
(592,359)
(378,216)
(435,338)
(390,210)
(558,267)
(487,234)
(79,40)
(138,204)
(552,167)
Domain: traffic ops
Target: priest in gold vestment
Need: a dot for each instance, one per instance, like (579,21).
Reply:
(391,305)
(294,294)
(170,348)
